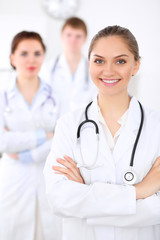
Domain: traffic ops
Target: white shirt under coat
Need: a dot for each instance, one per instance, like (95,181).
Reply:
(105,208)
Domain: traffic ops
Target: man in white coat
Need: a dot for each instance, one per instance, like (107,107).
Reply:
(68,74)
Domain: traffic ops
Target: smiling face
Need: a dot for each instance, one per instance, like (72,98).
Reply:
(28,58)
(111,65)
(73,39)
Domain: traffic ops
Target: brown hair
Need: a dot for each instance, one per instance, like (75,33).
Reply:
(23,36)
(120,32)
(75,22)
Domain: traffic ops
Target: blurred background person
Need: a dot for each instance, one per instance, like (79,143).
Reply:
(68,74)
(28,113)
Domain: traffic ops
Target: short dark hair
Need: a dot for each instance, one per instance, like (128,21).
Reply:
(120,32)
(75,22)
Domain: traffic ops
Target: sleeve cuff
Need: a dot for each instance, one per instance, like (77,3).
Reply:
(41,136)
(25,157)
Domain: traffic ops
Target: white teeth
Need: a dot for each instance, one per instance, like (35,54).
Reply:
(110,81)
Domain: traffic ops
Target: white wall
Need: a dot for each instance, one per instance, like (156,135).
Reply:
(142,17)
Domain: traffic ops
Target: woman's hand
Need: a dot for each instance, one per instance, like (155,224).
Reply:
(151,183)
(13,155)
(70,169)
(49,135)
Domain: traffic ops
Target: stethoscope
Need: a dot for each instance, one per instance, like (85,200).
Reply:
(56,64)
(129,177)
(49,97)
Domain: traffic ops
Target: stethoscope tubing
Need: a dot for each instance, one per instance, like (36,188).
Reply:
(87,120)
(138,136)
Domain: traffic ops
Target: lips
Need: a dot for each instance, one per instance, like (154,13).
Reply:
(109,82)
(31,68)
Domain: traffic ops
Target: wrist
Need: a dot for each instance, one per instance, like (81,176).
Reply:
(139,191)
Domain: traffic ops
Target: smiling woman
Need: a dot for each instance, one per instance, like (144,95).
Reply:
(112,66)
(89,179)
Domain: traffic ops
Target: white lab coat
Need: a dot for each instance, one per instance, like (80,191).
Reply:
(105,208)
(22,190)
(72,91)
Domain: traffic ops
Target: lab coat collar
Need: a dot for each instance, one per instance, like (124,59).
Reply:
(62,62)
(83,64)
(128,134)
(134,113)
(43,92)
(12,88)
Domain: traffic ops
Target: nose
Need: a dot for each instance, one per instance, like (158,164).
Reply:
(31,58)
(108,70)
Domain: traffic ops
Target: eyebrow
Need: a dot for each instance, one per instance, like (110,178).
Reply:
(122,55)
(95,55)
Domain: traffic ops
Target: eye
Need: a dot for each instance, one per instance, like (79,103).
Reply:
(121,61)
(23,54)
(78,36)
(37,54)
(98,61)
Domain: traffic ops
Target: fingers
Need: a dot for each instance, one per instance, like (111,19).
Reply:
(64,171)
(70,160)
(70,165)
(69,169)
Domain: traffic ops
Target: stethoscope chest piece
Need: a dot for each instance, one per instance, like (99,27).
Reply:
(129,177)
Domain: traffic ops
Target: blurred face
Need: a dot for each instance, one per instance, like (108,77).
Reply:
(73,39)
(28,58)
(112,65)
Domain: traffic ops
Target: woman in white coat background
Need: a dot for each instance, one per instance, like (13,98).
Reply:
(68,74)
(28,114)
(87,179)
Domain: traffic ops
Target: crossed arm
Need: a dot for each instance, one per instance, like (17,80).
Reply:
(149,185)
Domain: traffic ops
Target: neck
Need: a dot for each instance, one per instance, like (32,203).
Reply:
(25,84)
(73,57)
(113,106)
(28,87)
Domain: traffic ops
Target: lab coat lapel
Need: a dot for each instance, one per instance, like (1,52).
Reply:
(128,135)
(14,97)
(81,74)
(103,145)
(62,63)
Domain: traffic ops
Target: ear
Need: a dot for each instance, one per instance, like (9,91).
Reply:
(12,60)
(136,67)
